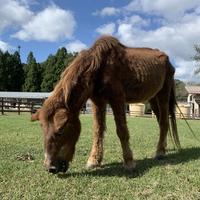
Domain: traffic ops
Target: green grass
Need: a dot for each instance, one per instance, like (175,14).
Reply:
(175,177)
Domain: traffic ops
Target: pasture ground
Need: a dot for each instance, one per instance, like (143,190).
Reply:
(22,175)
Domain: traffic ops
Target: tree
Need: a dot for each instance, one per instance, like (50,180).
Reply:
(181,92)
(11,72)
(32,75)
(6,76)
(53,67)
(16,73)
(63,60)
(2,71)
(197,58)
(49,74)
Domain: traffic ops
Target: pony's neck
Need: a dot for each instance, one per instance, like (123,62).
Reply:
(79,96)
(54,102)
(76,81)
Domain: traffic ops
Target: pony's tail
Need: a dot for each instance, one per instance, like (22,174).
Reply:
(172,106)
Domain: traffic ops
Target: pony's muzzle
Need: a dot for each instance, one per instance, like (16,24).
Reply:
(52,170)
(61,166)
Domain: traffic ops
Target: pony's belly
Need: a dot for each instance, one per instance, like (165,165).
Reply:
(142,93)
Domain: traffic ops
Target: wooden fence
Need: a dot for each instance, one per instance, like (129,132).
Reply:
(19,105)
(24,105)
(31,105)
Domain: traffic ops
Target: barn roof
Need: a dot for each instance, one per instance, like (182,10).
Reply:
(25,95)
(193,89)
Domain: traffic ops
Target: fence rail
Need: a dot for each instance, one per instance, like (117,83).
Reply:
(19,105)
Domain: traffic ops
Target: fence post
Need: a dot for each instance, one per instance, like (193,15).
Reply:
(18,106)
(2,105)
(32,105)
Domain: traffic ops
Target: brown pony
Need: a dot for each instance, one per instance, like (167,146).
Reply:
(107,73)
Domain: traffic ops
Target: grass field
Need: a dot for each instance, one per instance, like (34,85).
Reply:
(22,175)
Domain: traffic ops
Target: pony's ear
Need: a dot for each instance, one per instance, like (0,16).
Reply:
(60,118)
(35,116)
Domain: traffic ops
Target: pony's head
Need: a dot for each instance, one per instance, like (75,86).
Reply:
(59,114)
(61,131)
(59,117)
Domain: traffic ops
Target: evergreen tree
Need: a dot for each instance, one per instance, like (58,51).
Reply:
(32,72)
(32,76)
(53,67)
(49,74)
(2,71)
(16,73)
(7,71)
(63,59)
(60,62)
(11,72)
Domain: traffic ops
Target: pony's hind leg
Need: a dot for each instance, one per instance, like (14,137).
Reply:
(154,106)
(163,120)
(123,134)
(99,125)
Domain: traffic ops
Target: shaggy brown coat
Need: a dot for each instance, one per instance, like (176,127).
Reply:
(110,73)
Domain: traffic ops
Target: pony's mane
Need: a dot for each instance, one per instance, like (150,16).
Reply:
(86,62)
(105,43)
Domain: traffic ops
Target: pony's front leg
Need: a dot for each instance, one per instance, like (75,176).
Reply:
(123,134)
(96,155)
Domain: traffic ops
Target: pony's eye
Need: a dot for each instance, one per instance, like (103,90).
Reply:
(60,131)
(58,135)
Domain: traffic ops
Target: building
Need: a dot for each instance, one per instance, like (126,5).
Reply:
(193,100)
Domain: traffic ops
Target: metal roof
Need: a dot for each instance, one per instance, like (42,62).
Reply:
(193,89)
(25,95)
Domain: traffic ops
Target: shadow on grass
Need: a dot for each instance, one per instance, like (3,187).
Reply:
(116,169)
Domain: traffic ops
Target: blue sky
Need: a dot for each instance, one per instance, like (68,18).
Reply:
(43,26)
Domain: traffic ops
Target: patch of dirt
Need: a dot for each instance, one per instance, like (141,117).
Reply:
(25,157)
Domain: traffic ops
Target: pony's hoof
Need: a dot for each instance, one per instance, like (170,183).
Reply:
(91,165)
(130,166)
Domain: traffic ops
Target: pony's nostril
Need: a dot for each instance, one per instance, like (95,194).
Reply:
(53,170)
(63,166)
(58,166)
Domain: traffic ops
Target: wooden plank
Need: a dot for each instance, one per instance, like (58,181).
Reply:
(2,106)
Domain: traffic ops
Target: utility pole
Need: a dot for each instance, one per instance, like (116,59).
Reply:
(19,47)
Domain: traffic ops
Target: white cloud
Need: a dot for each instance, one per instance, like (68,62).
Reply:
(13,13)
(107,11)
(28,3)
(4,46)
(178,46)
(51,24)
(171,9)
(135,21)
(185,70)
(126,34)
(177,39)
(172,26)
(76,46)
(107,29)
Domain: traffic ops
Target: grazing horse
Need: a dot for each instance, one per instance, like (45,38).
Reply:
(107,73)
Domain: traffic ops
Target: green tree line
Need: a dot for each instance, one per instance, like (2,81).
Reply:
(32,76)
